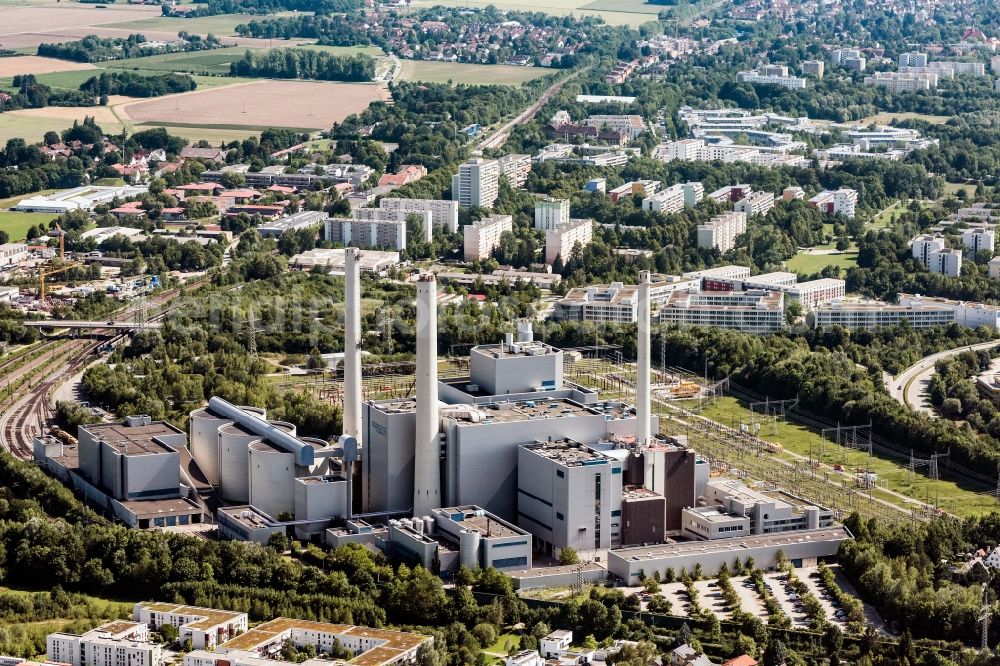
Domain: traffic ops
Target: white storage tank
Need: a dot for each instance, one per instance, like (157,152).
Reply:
(468,548)
(234,465)
(203,435)
(418,525)
(272,471)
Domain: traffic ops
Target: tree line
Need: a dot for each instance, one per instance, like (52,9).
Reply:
(99,49)
(305,64)
(138,85)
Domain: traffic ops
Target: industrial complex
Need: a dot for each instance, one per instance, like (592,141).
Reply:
(504,467)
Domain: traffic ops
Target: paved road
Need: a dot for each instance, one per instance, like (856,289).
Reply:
(910,387)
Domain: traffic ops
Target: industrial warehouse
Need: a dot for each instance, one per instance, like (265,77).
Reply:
(502,468)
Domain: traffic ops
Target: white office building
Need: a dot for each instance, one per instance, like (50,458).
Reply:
(550,213)
(12,254)
(721,231)
(560,241)
(483,236)
(476,183)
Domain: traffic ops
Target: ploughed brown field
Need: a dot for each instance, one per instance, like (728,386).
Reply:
(270,103)
(45,21)
(38,65)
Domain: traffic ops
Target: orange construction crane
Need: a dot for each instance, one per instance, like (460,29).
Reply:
(55,271)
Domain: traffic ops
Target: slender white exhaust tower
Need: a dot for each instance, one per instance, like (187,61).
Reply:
(643,436)
(427,449)
(352,343)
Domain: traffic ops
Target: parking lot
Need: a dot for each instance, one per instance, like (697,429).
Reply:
(710,598)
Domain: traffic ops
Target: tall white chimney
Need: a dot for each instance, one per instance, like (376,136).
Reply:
(427,449)
(643,436)
(352,343)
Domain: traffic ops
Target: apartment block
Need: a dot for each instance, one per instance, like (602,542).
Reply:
(813,68)
(117,643)
(616,302)
(674,198)
(994,267)
(643,187)
(443,212)
(793,193)
(721,231)
(730,193)
(515,168)
(923,246)
(772,75)
(476,183)
(946,262)
(372,234)
(483,236)
(758,203)
(979,240)
(912,59)
(877,314)
(380,215)
(837,202)
(560,241)
(899,82)
(754,311)
(550,213)
(206,628)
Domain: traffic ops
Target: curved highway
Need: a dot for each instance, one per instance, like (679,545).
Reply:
(910,386)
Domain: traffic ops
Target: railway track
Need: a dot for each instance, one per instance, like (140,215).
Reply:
(25,414)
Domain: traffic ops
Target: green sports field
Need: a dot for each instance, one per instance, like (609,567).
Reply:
(16,224)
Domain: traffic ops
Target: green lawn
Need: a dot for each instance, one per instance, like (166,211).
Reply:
(632,6)
(798,439)
(59,79)
(813,263)
(609,9)
(503,646)
(887,117)
(954,188)
(458,72)
(16,224)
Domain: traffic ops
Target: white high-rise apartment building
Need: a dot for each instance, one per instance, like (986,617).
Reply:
(912,59)
(476,183)
(978,240)
(946,262)
(443,212)
(837,202)
(774,75)
(757,203)
(924,246)
(559,242)
(721,231)
(897,82)
(550,213)
(483,236)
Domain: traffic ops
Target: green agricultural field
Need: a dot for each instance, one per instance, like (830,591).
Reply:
(813,263)
(457,72)
(16,224)
(562,8)
(798,439)
(373,51)
(215,61)
(221,25)
(631,6)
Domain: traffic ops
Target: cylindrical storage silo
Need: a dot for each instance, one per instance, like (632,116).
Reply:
(468,548)
(429,525)
(203,436)
(272,471)
(321,465)
(234,465)
(418,525)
